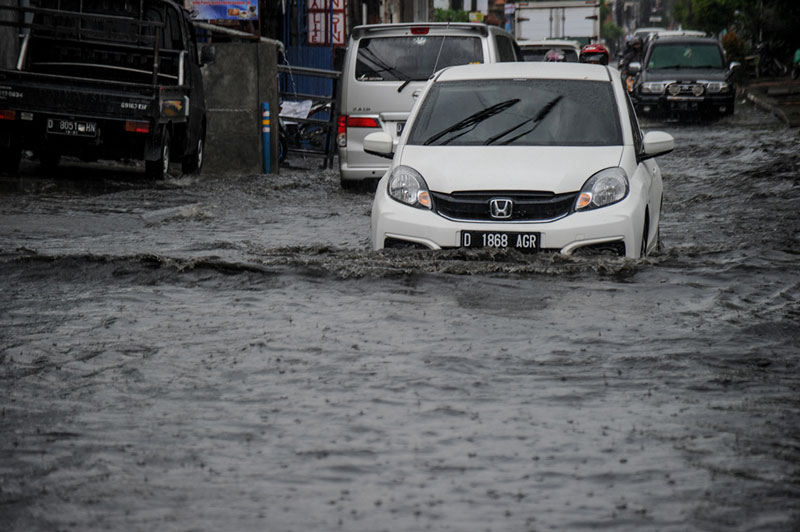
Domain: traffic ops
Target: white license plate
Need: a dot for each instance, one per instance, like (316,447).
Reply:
(501,239)
(76,128)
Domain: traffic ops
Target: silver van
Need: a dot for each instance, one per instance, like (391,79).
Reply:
(385,66)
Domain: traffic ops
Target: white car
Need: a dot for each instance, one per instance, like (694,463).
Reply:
(530,156)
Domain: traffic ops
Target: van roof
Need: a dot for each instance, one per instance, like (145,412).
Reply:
(533,70)
(409,28)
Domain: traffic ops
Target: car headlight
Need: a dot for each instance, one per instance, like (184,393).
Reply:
(717,87)
(407,186)
(653,87)
(603,188)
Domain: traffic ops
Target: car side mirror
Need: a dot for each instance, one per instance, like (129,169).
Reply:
(208,55)
(656,143)
(379,143)
(635,67)
(734,66)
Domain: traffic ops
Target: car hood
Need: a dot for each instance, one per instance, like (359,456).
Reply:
(447,169)
(686,74)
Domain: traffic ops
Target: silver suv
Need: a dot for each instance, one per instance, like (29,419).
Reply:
(385,67)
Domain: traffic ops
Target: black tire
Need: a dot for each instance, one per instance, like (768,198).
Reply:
(192,164)
(9,159)
(159,169)
(643,250)
(48,160)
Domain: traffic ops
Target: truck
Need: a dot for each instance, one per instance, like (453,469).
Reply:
(101,80)
(577,20)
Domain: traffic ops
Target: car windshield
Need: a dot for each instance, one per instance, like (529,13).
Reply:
(537,54)
(685,55)
(526,112)
(413,57)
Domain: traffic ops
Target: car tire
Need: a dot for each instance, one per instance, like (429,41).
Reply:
(643,248)
(9,159)
(159,168)
(192,164)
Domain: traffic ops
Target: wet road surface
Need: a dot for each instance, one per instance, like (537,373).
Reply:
(228,354)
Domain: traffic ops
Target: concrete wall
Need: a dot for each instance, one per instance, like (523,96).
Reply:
(243,76)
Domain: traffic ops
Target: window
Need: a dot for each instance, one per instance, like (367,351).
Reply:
(415,57)
(505,50)
(541,112)
(685,55)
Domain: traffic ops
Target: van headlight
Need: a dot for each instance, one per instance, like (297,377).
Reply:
(654,87)
(606,187)
(407,186)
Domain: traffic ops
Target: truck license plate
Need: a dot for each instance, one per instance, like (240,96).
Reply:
(77,128)
(490,239)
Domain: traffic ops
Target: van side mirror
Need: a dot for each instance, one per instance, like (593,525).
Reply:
(208,55)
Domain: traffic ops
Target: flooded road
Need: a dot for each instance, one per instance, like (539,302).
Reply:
(228,354)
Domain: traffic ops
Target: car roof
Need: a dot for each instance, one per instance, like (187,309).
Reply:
(549,42)
(537,70)
(691,39)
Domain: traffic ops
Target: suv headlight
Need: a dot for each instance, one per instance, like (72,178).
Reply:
(653,87)
(603,188)
(407,186)
(717,87)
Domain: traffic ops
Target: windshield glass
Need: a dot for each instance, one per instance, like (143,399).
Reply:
(540,112)
(413,57)
(532,54)
(684,55)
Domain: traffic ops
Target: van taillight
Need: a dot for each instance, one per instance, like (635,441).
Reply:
(420,30)
(7,115)
(359,121)
(352,121)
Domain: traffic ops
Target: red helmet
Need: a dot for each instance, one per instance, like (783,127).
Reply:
(594,53)
(556,56)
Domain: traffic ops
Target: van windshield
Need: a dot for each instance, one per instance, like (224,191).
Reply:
(413,57)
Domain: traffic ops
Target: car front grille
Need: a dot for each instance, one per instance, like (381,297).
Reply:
(526,206)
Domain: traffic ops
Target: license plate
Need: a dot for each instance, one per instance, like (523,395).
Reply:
(76,128)
(496,239)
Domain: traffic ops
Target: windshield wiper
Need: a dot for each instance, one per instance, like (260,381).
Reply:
(536,120)
(471,121)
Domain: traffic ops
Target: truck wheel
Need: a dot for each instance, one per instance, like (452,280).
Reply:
(159,169)
(193,163)
(9,159)
(48,160)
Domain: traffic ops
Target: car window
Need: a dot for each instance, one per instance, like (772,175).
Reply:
(685,55)
(414,57)
(505,50)
(537,54)
(635,129)
(542,112)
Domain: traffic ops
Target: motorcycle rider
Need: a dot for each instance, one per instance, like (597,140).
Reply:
(633,54)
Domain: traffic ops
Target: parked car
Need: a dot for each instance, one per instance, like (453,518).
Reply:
(103,80)
(384,68)
(686,77)
(534,157)
(536,50)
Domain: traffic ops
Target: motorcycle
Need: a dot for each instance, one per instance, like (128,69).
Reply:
(301,129)
(769,65)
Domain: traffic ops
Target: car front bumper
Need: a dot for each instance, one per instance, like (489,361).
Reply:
(623,222)
(721,104)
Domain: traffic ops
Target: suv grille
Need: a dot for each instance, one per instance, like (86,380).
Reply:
(527,206)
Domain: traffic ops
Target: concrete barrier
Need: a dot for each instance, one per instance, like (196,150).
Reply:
(243,76)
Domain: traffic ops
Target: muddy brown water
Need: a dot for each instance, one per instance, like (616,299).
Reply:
(227,354)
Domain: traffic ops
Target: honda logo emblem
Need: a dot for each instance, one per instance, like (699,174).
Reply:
(501,208)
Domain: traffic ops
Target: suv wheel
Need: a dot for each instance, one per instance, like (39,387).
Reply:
(159,168)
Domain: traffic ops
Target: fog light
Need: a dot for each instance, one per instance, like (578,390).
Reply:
(646,109)
(722,109)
